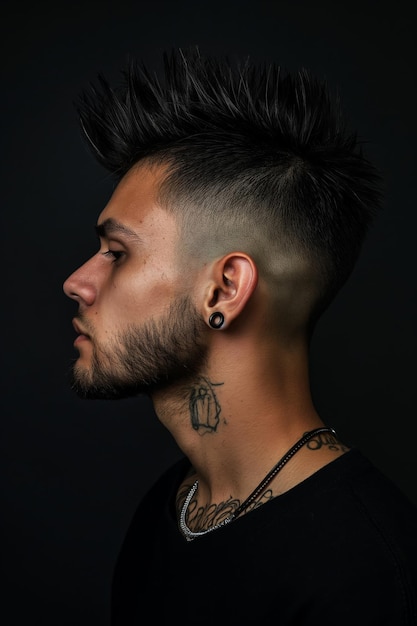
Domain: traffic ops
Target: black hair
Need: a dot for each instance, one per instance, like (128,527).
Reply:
(250,142)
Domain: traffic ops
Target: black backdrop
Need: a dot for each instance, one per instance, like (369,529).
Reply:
(72,470)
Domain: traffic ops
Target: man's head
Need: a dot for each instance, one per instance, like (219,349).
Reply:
(257,159)
(250,159)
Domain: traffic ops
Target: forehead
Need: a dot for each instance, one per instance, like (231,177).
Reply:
(135,208)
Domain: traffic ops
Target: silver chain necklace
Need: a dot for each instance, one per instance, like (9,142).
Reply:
(190,535)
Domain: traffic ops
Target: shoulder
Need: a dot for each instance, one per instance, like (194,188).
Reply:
(343,542)
(357,540)
(352,496)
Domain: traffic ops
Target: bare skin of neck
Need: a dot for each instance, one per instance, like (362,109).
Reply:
(237,419)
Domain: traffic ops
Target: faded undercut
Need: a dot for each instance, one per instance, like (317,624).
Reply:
(259,159)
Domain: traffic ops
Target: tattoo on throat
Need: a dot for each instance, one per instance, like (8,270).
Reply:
(203,517)
(204,406)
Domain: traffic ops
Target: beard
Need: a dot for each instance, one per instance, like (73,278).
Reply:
(147,358)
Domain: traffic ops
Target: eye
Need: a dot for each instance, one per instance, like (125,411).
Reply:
(115,255)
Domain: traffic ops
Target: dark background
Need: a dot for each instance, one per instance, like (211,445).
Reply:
(72,470)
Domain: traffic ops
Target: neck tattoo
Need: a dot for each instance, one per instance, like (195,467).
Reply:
(190,535)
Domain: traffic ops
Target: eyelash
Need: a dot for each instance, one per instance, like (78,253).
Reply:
(115,254)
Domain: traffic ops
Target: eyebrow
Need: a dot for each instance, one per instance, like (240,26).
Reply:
(110,226)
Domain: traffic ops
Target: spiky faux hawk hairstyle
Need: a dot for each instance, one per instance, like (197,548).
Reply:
(252,147)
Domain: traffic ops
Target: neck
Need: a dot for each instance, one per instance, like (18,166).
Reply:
(234,421)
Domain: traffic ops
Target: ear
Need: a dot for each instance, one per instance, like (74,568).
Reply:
(232,280)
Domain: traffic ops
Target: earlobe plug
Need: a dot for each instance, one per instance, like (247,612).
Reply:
(216,320)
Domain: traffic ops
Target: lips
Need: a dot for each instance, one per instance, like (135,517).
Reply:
(78,328)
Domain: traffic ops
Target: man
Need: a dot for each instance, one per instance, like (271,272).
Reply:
(241,205)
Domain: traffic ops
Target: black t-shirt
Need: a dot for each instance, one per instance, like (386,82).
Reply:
(338,549)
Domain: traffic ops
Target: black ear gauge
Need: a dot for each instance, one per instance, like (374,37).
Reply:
(216,320)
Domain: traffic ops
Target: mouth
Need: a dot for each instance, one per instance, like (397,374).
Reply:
(80,331)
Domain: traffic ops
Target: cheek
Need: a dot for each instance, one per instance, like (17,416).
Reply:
(131,299)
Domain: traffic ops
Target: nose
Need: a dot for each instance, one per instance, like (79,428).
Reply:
(80,285)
